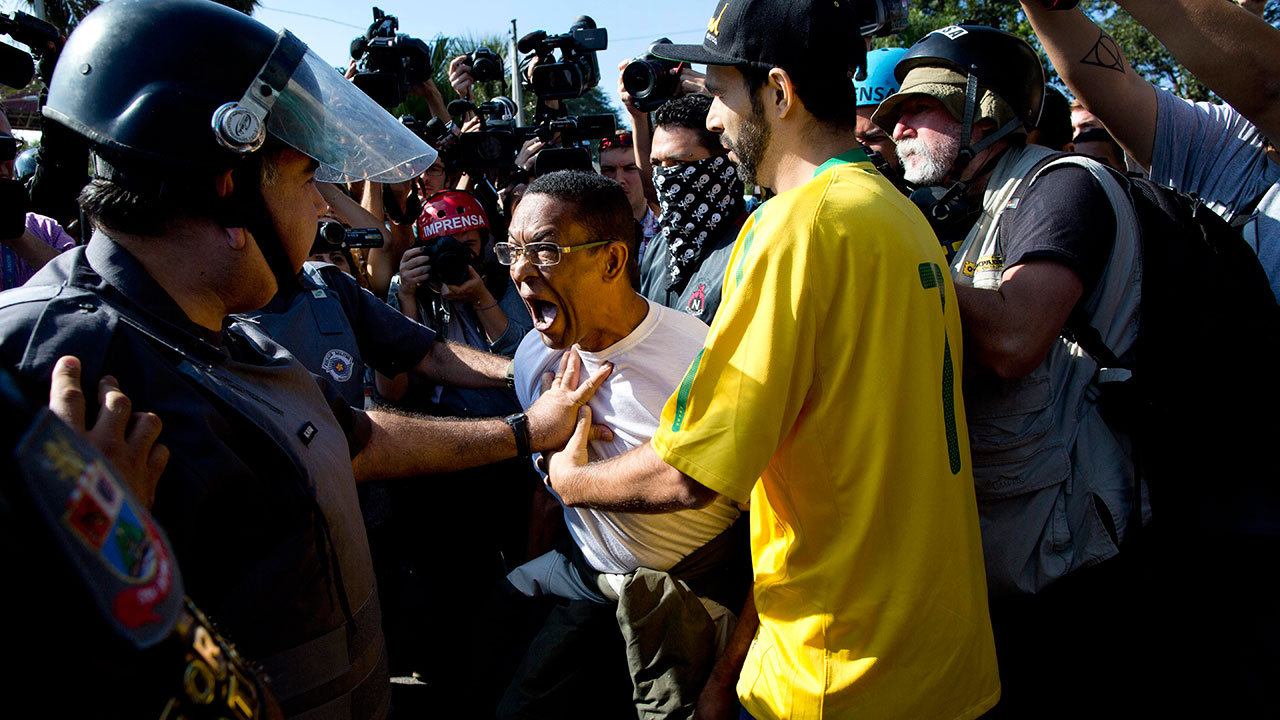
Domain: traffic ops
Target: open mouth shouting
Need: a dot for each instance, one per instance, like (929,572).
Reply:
(543,312)
(550,318)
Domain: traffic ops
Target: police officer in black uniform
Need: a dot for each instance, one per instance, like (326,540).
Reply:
(208,132)
(103,629)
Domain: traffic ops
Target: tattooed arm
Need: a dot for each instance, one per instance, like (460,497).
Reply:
(1233,52)
(1098,74)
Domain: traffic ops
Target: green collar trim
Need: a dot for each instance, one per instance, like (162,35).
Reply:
(852,156)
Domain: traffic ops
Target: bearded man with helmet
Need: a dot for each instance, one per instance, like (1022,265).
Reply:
(1037,238)
(204,205)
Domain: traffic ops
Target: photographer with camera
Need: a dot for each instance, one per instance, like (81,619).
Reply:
(445,284)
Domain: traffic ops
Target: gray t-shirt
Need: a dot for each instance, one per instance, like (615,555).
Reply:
(1211,150)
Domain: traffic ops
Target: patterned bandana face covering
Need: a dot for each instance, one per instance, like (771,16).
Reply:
(697,199)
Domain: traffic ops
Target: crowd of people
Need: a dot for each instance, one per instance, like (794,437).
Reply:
(826,392)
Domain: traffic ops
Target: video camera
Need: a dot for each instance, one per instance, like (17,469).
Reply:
(494,145)
(387,62)
(331,236)
(576,71)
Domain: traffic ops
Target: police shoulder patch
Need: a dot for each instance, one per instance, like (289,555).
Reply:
(339,364)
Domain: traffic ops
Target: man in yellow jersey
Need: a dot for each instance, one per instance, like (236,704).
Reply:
(827,394)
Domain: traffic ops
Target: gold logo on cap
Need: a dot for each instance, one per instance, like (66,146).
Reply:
(713,25)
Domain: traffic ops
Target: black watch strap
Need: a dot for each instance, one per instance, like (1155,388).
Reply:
(519,423)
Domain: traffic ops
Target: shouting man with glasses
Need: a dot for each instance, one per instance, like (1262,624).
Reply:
(572,249)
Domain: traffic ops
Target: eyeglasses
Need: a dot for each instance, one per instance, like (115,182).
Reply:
(541,254)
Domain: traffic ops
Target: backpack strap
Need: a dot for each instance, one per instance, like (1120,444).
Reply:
(1246,213)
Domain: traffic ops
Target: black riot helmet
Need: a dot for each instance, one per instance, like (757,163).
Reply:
(1001,62)
(987,59)
(193,84)
(164,90)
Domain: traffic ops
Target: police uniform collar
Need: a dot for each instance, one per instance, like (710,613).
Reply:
(128,283)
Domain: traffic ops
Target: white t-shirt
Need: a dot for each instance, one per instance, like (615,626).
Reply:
(648,365)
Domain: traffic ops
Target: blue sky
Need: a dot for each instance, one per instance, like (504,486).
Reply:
(328,26)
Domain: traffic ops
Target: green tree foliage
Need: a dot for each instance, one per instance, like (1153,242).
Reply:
(1147,56)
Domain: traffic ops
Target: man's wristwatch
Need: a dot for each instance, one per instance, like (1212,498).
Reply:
(519,423)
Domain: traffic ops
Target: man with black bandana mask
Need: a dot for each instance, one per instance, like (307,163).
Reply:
(702,209)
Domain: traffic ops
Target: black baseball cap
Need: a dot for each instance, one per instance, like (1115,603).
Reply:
(795,35)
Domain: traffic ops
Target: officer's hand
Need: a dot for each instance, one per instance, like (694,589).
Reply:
(415,266)
(126,438)
(460,76)
(554,416)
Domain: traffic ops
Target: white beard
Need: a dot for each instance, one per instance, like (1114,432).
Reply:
(924,165)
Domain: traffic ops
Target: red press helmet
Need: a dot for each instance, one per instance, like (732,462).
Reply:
(450,212)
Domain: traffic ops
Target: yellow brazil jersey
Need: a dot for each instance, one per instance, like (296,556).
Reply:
(832,374)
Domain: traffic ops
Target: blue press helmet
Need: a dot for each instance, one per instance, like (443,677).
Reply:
(880,82)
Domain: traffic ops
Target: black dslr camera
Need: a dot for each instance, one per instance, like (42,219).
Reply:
(450,260)
(649,80)
(486,65)
(389,62)
(577,70)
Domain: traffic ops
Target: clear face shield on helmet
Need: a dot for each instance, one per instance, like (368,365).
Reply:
(305,103)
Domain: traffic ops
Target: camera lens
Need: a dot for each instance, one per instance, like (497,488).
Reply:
(638,78)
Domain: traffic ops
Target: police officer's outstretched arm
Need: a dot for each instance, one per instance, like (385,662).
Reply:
(403,445)
(126,438)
